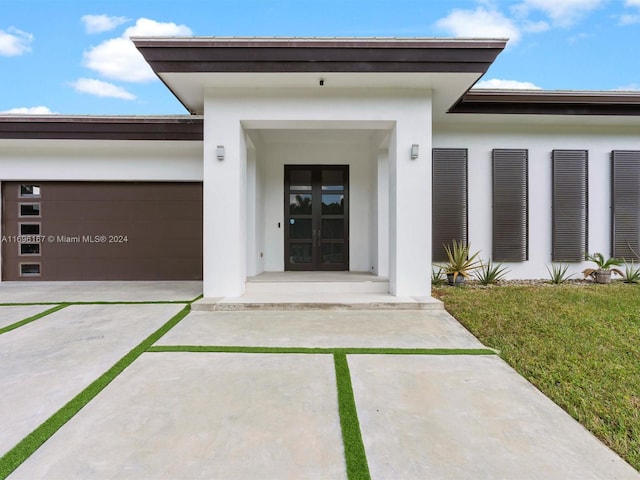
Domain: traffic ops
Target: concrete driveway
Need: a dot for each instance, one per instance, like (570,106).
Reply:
(244,395)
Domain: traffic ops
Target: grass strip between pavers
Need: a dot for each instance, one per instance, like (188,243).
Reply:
(27,446)
(354,453)
(32,318)
(323,350)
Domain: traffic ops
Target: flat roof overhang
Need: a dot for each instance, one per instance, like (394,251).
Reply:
(541,102)
(190,65)
(81,127)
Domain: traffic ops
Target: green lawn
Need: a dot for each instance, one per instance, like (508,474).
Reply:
(579,344)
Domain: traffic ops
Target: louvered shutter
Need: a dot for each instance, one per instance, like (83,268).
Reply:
(449,207)
(625,212)
(510,205)
(570,205)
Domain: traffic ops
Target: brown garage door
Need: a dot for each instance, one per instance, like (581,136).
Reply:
(101,231)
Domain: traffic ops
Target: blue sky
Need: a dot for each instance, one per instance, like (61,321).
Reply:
(73,57)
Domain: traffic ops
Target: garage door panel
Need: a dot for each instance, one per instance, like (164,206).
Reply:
(107,231)
(146,269)
(126,191)
(159,210)
(97,247)
(144,229)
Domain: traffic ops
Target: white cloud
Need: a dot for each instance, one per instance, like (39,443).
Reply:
(499,84)
(40,110)
(536,27)
(480,22)
(563,13)
(578,37)
(14,42)
(150,28)
(101,23)
(118,58)
(632,87)
(629,19)
(101,89)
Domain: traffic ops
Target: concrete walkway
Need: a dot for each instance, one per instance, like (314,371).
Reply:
(30,292)
(331,328)
(237,414)
(46,363)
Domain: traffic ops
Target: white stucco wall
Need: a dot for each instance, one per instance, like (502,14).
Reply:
(480,137)
(403,113)
(245,193)
(100,160)
(253,211)
(409,199)
(379,212)
(225,207)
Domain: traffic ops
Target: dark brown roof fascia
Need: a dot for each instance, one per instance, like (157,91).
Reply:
(187,128)
(350,42)
(284,55)
(548,103)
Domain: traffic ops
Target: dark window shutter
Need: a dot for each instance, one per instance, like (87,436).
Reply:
(449,207)
(570,205)
(510,205)
(625,212)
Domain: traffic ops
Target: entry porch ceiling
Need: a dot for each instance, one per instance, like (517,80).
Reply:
(190,65)
(318,137)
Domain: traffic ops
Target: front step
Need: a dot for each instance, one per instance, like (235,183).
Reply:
(317,291)
(315,287)
(317,302)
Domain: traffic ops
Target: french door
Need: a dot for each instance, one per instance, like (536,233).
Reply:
(316,213)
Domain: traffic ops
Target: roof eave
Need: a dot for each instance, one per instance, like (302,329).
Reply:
(545,102)
(83,127)
(271,55)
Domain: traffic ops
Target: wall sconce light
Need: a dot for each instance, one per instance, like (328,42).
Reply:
(220,152)
(415,151)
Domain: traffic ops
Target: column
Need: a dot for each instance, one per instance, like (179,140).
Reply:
(410,202)
(225,209)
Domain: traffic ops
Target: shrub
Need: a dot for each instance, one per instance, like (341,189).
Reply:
(603,266)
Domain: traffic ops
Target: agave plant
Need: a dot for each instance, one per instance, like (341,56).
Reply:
(631,273)
(491,273)
(438,278)
(605,267)
(558,273)
(461,262)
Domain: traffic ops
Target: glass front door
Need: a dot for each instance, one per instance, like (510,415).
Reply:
(316,217)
